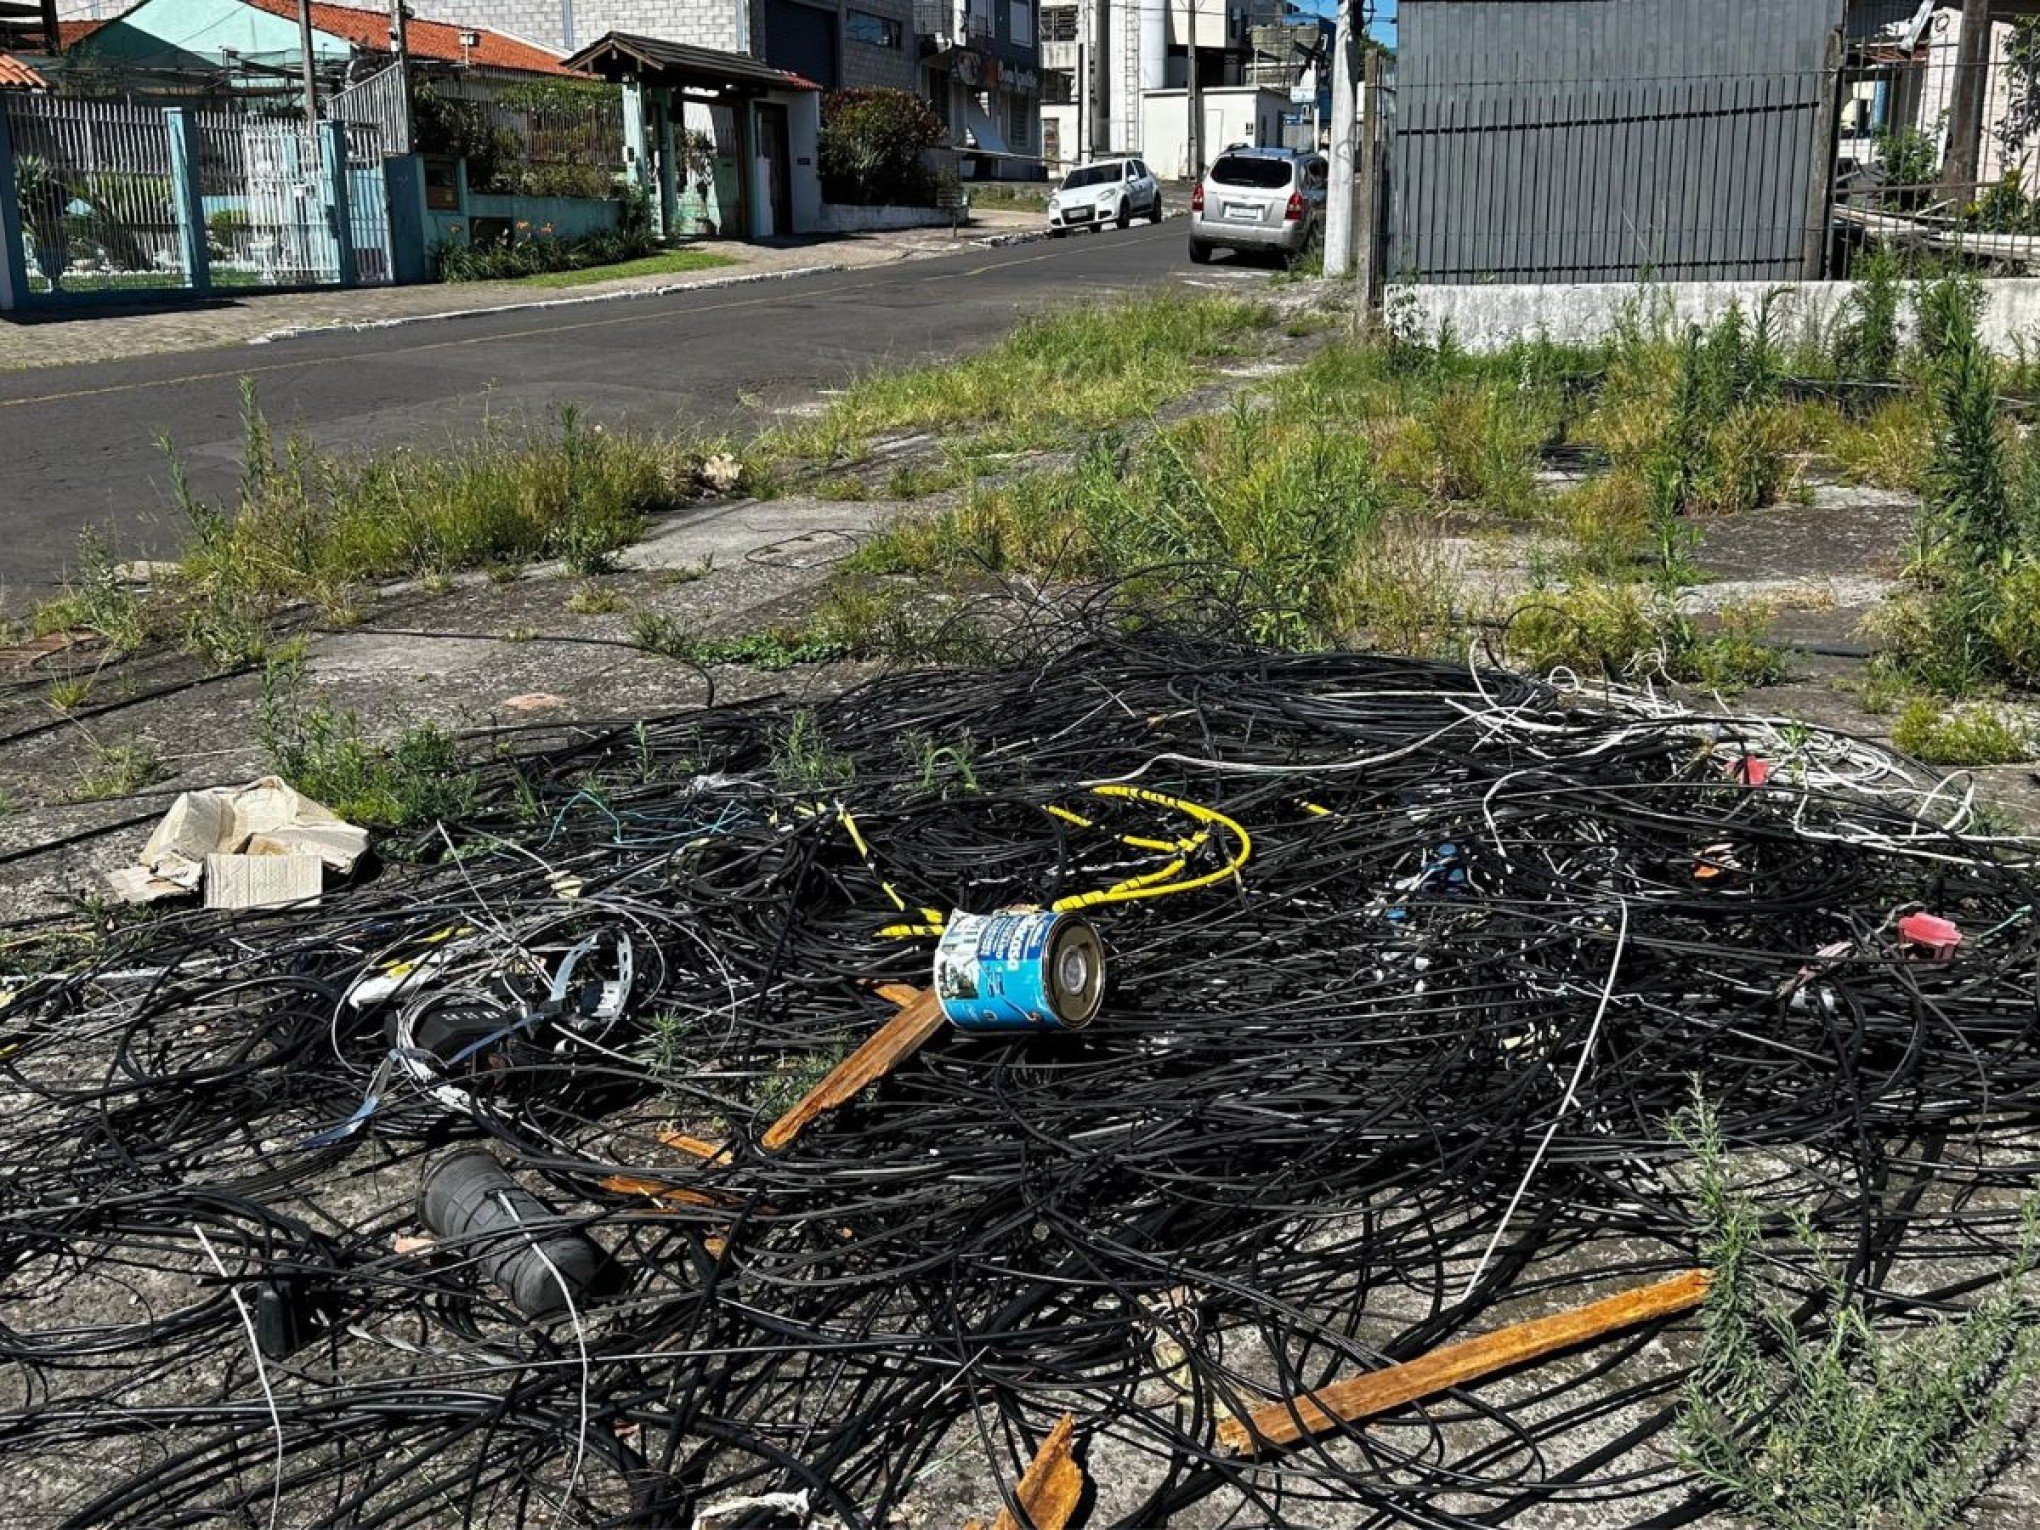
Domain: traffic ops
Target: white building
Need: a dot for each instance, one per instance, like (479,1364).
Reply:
(1131,49)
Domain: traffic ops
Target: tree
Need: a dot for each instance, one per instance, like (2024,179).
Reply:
(871,147)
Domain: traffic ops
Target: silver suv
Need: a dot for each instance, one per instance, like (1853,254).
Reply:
(1259,199)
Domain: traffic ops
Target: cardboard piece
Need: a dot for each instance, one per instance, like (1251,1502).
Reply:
(262,881)
(264,820)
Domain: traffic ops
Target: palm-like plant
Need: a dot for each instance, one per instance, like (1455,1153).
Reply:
(45,194)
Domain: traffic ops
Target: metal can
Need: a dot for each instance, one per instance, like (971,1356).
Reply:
(1020,970)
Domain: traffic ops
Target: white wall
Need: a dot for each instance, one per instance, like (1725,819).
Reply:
(1234,114)
(1492,317)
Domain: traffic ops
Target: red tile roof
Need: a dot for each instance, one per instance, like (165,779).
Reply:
(15,75)
(434,40)
(72,33)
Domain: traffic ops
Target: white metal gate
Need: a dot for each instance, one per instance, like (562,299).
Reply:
(290,233)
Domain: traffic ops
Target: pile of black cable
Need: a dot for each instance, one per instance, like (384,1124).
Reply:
(1411,965)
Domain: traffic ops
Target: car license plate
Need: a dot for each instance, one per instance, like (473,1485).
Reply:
(1243,212)
(1077,212)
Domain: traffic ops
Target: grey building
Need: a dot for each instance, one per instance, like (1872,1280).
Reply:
(831,42)
(981,71)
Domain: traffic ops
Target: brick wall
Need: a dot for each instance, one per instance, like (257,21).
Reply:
(865,65)
(702,23)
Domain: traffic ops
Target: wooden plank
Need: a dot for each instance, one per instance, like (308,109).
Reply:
(1051,1486)
(1455,1365)
(898,1039)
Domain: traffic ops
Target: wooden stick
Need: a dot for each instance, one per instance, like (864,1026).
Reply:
(1359,1397)
(1050,1487)
(892,1044)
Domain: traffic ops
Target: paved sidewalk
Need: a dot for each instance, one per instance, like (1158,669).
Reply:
(118,334)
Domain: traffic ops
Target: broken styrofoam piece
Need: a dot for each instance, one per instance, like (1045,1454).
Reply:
(264,820)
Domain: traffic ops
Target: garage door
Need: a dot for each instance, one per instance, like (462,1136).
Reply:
(803,39)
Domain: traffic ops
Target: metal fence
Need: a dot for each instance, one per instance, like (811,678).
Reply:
(548,140)
(1937,141)
(1582,141)
(93,179)
(117,199)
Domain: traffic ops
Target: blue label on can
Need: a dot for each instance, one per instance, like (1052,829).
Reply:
(991,972)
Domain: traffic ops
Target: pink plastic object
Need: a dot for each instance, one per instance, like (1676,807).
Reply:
(1751,770)
(1930,933)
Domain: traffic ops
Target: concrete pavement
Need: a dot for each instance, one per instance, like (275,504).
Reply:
(76,441)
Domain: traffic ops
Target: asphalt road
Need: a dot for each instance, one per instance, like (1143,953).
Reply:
(77,444)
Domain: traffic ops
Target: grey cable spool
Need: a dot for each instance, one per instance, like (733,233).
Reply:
(468,1200)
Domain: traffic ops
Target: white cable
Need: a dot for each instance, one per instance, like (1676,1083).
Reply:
(1564,1105)
(581,1343)
(261,1370)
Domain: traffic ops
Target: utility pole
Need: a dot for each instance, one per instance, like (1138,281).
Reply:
(1965,115)
(1194,99)
(400,46)
(304,16)
(1339,195)
(1087,38)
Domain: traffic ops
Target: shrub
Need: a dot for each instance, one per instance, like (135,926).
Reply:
(1868,1421)
(1738,654)
(1594,628)
(525,251)
(871,147)
(1967,735)
(416,779)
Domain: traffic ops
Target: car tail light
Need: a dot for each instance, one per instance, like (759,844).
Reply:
(1197,197)
(1295,208)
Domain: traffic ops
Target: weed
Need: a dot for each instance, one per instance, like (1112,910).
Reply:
(503,571)
(664,1047)
(594,600)
(1963,735)
(303,525)
(1080,369)
(520,634)
(436,582)
(843,487)
(1858,1425)
(687,573)
(71,693)
(1403,594)
(1870,345)
(1891,448)
(100,598)
(918,480)
(656,632)
(1593,628)
(1738,654)
(418,778)
(791,1079)
(1609,524)
(941,769)
(776,648)
(805,761)
(119,769)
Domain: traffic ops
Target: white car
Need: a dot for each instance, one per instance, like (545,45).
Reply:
(1105,191)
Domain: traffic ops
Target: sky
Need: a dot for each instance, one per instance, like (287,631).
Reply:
(1384,16)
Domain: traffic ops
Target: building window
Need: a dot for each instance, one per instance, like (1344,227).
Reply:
(1020,123)
(1020,24)
(878,31)
(1058,23)
(1058,87)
